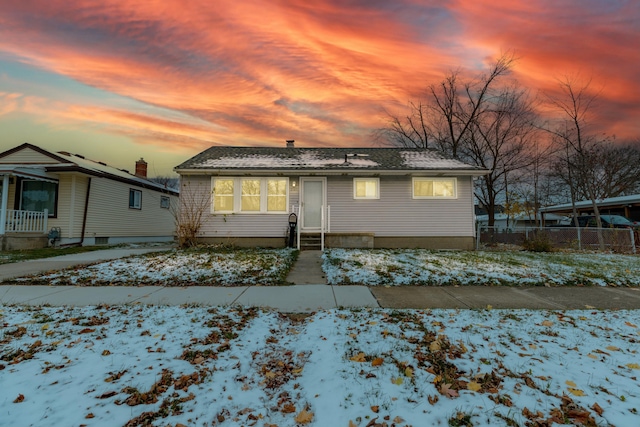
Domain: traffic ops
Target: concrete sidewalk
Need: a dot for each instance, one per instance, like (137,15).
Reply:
(527,297)
(37,266)
(310,292)
(288,299)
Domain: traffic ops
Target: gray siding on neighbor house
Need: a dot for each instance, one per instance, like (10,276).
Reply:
(109,214)
(395,214)
(72,191)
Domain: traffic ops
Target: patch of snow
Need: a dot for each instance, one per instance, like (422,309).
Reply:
(303,160)
(429,160)
(120,365)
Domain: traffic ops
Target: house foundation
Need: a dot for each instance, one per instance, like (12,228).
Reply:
(21,241)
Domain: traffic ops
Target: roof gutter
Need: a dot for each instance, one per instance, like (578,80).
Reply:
(334,172)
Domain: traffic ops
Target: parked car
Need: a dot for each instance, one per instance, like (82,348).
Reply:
(608,221)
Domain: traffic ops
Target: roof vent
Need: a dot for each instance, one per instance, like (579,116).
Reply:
(291,143)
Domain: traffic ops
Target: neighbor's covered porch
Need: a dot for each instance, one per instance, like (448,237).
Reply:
(28,197)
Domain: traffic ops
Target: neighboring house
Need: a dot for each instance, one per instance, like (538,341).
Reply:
(628,206)
(504,222)
(343,197)
(88,202)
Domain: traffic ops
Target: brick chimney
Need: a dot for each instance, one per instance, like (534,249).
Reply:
(141,168)
(291,143)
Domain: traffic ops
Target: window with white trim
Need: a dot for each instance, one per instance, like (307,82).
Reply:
(250,195)
(135,199)
(277,195)
(435,188)
(223,194)
(366,188)
(38,195)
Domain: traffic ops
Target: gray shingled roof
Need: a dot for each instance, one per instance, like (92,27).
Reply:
(265,158)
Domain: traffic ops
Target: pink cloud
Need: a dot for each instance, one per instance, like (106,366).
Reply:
(260,72)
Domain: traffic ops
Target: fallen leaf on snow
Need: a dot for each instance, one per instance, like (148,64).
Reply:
(360,357)
(19,399)
(397,381)
(576,391)
(612,348)
(473,386)
(377,361)
(304,417)
(375,408)
(547,323)
(448,391)
(633,365)
(597,408)
(570,383)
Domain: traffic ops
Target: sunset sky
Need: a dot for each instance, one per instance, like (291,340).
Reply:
(117,80)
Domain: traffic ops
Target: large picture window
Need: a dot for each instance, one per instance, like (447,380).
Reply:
(434,188)
(250,195)
(366,188)
(37,196)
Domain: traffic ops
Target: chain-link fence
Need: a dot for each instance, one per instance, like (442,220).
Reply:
(621,240)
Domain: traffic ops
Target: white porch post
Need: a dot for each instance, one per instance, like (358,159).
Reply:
(3,205)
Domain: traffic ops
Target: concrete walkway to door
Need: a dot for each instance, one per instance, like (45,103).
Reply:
(308,269)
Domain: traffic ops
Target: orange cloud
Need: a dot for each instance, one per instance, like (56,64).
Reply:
(257,72)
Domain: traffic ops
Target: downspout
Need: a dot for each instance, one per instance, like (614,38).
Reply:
(86,209)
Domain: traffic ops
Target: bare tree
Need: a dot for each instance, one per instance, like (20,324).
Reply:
(189,214)
(616,171)
(172,182)
(453,105)
(580,148)
(501,140)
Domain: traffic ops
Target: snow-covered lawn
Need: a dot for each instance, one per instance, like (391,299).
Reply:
(424,267)
(192,366)
(194,267)
(229,267)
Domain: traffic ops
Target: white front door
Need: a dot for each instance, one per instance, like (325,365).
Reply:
(312,196)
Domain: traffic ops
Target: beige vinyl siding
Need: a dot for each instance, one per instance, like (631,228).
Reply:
(72,190)
(236,224)
(396,213)
(109,214)
(28,156)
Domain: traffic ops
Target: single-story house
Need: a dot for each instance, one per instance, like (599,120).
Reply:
(70,200)
(628,206)
(341,197)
